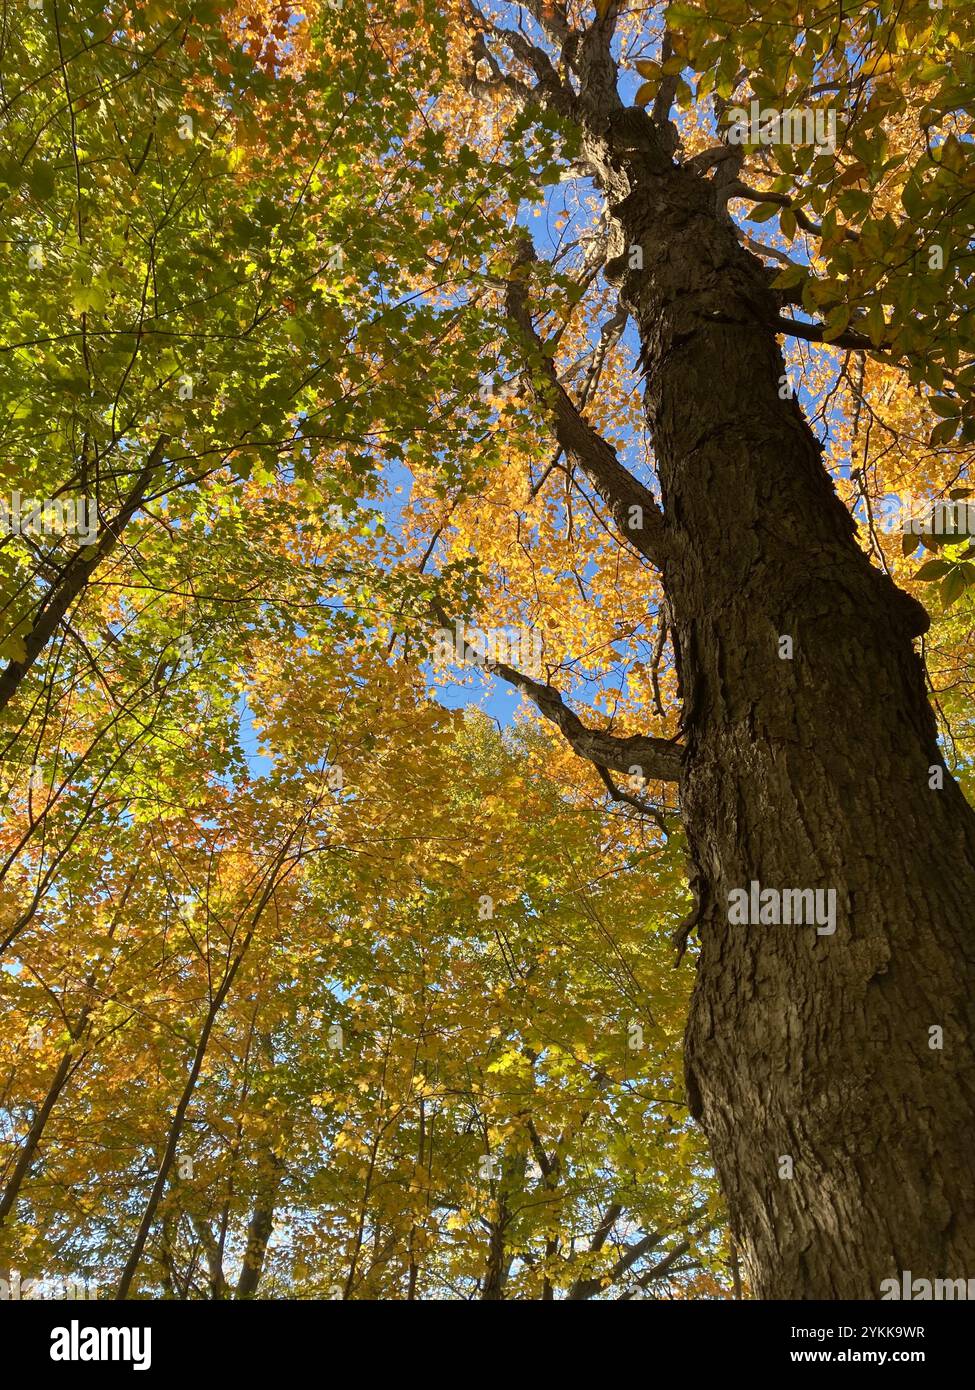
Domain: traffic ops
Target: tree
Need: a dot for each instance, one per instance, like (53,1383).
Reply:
(808,750)
(341,1076)
(434,457)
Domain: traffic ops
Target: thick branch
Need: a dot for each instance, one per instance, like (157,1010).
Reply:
(664,1267)
(606,1224)
(592,60)
(549,89)
(664,99)
(258,1234)
(76,575)
(583,1289)
(552,17)
(782,200)
(815,333)
(658,759)
(633,506)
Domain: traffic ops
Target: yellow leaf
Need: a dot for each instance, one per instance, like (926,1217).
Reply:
(13,649)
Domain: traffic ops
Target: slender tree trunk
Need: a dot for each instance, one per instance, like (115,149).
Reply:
(67,1062)
(492,1287)
(363,1212)
(28,1152)
(169,1154)
(75,577)
(179,1116)
(806,1053)
(262,1216)
(258,1234)
(214,1258)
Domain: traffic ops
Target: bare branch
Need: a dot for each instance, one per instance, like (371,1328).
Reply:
(637,802)
(813,333)
(658,759)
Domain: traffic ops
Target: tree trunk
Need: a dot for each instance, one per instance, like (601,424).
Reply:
(75,577)
(492,1286)
(811,773)
(258,1234)
(28,1152)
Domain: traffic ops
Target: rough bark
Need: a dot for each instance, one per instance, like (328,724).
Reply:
(812,772)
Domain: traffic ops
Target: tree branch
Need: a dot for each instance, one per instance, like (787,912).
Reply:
(658,759)
(813,333)
(632,505)
(782,200)
(664,99)
(76,574)
(664,1267)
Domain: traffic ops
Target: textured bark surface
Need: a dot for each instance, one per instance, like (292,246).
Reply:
(811,773)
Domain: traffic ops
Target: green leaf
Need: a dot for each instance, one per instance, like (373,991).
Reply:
(13,648)
(88,299)
(678,15)
(941,434)
(953,586)
(792,275)
(932,570)
(913,199)
(41,181)
(876,324)
(836,322)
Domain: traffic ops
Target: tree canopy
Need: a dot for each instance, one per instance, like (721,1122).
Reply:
(342,708)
